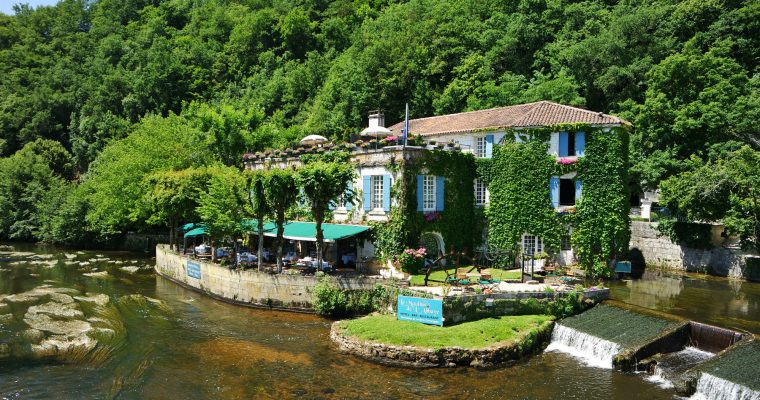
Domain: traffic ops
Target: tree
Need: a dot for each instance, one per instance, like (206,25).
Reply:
(115,183)
(324,183)
(223,206)
(725,189)
(256,182)
(173,196)
(282,192)
(29,181)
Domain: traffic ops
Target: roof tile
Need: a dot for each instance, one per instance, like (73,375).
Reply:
(536,114)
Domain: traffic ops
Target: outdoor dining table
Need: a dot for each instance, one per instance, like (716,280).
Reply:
(473,276)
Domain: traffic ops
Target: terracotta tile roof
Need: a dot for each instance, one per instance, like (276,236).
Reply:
(541,113)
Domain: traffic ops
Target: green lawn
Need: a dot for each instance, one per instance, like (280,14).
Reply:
(500,274)
(472,335)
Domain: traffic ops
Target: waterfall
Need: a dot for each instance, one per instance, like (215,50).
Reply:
(594,351)
(671,365)
(711,387)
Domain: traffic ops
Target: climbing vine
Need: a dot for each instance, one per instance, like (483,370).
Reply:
(458,223)
(520,196)
(602,223)
(520,200)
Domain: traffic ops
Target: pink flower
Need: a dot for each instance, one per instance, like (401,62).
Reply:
(567,160)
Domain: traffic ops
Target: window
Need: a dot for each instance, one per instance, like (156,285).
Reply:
(480,147)
(566,192)
(531,245)
(565,243)
(567,144)
(480,192)
(428,193)
(377,192)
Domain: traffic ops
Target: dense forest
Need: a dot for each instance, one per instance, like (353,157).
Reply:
(95,96)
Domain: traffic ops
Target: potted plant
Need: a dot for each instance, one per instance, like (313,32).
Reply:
(411,260)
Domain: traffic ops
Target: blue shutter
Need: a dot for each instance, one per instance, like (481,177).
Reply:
(386,193)
(419,192)
(563,144)
(439,193)
(489,146)
(580,143)
(367,192)
(554,190)
(578,190)
(349,189)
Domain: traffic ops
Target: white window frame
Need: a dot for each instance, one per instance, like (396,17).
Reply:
(376,194)
(480,147)
(533,243)
(481,193)
(428,193)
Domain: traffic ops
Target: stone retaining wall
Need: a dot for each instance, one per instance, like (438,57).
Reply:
(659,250)
(409,356)
(251,288)
(473,307)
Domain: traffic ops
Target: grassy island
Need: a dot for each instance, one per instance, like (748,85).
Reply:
(483,333)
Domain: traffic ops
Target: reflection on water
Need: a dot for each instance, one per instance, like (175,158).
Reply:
(712,300)
(199,348)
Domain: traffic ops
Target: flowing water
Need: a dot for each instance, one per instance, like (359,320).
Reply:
(670,365)
(712,300)
(592,350)
(711,387)
(171,343)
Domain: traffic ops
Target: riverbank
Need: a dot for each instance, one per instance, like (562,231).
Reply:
(485,343)
(249,287)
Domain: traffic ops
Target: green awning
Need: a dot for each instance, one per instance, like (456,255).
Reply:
(196,232)
(307,231)
(188,226)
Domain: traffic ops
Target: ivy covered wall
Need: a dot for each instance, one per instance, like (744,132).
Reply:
(602,223)
(518,180)
(520,201)
(459,223)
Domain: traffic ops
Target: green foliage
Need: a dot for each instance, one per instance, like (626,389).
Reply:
(725,188)
(335,302)
(520,199)
(252,75)
(114,185)
(225,204)
(694,235)
(281,188)
(601,224)
(29,188)
(458,224)
(323,184)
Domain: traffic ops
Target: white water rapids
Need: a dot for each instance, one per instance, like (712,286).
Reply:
(594,351)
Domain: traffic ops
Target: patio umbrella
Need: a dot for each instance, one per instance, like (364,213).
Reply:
(376,131)
(313,140)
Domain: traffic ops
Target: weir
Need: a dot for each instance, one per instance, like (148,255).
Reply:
(715,362)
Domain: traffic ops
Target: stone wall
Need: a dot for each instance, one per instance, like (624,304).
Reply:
(410,356)
(660,251)
(251,288)
(458,309)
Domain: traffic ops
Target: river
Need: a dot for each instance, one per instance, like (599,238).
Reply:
(193,347)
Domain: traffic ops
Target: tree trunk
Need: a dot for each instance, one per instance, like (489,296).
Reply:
(320,240)
(280,233)
(261,243)
(171,237)
(213,250)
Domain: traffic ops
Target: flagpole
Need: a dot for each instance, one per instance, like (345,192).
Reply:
(406,124)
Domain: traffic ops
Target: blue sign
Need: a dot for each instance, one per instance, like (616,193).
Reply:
(193,270)
(623,267)
(418,309)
